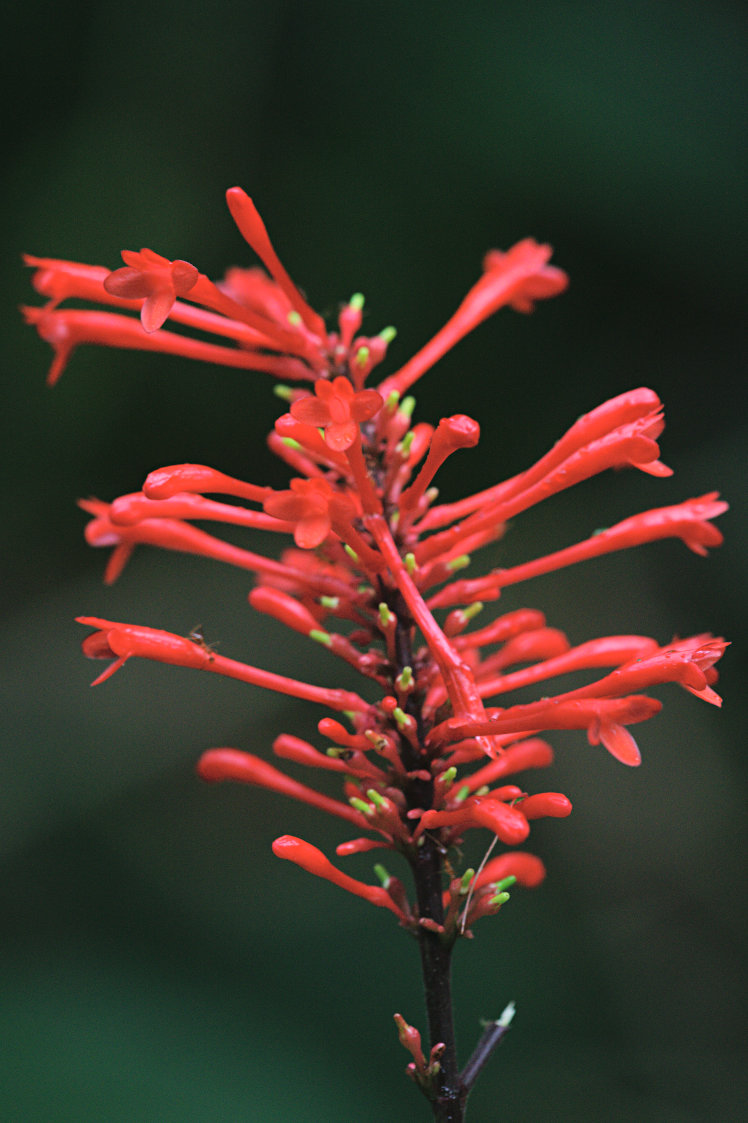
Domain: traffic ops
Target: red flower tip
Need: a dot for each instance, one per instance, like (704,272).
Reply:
(410,1039)
(546,805)
(175,478)
(252,228)
(508,823)
(122,641)
(154,278)
(528,870)
(526,264)
(314,861)
(338,409)
(274,602)
(458,431)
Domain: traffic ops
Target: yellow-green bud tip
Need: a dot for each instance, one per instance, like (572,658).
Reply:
(405,678)
(385,616)
(505,883)
(467,877)
(400,717)
(461,562)
(382,874)
(406,443)
(472,610)
(321,637)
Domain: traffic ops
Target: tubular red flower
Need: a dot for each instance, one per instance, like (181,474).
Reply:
(532,753)
(283,607)
(67,329)
(60,280)
(313,861)
(688,521)
(122,641)
(165,482)
(603,718)
(507,823)
(252,229)
(451,433)
(610,651)
(356,764)
(154,278)
(338,409)
(592,427)
(685,661)
(517,278)
(546,805)
(173,534)
(128,510)
(502,628)
(232,764)
(311,441)
(528,870)
(309,507)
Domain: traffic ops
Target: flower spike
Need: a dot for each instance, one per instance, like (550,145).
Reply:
(420,757)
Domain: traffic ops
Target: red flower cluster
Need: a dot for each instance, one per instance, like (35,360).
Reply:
(431,752)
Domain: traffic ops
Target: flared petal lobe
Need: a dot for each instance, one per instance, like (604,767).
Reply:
(154,278)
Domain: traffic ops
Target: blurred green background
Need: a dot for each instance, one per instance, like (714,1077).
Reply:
(159,963)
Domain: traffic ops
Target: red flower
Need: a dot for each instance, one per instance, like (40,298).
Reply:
(307,505)
(338,409)
(516,278)
(313,861)
(154,278)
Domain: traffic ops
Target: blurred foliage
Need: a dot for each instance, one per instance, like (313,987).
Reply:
(160,964)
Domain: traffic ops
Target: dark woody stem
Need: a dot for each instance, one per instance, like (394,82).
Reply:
(448,1104)
(448,1097)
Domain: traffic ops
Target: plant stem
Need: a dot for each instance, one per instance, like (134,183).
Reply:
(428,872)
(448,1105)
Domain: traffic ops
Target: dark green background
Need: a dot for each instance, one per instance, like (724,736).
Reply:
(160,964)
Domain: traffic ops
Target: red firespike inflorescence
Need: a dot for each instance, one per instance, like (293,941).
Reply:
(433,748)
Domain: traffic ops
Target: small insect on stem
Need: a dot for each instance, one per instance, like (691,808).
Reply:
(196,636)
